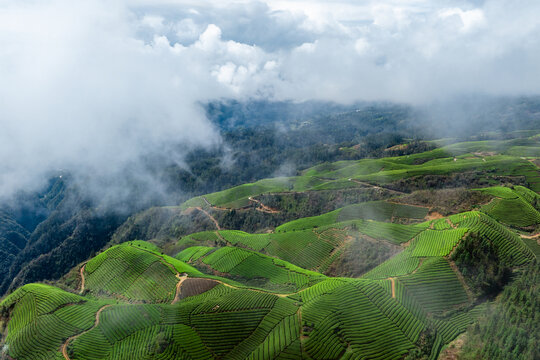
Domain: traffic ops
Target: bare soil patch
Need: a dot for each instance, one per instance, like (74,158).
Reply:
(453,349)
(434,216)
(195,286)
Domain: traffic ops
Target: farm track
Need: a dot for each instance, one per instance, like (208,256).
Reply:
(393,281)
(81,272)
(262,207)
(209,216)
(71,338)
(256,290)
(420,262)
(223,239)
(376,187)
(451,223)
(533,236)
(212,206)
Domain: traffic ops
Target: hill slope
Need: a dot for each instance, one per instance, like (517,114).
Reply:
(379,279)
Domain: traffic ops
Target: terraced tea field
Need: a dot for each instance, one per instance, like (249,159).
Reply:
(228,294)
(152,312)
(246,264)
(513,207)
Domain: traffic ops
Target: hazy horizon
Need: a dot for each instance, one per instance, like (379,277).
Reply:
(95,86)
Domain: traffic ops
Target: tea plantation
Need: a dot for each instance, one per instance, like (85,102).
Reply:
(229,294)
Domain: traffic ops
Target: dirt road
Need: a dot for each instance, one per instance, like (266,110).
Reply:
(96,323)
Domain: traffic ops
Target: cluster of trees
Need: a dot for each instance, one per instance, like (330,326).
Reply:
(446,201)
(162,225)
(509,329)
(480,264)
(311,203)
(361,255)
(71,232)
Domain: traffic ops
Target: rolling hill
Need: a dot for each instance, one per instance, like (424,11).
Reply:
(375,279)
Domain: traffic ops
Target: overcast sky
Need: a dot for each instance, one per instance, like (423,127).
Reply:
(96,84)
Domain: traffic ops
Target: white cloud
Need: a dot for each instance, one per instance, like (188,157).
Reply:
(155,22)
(470,19)
(97,84)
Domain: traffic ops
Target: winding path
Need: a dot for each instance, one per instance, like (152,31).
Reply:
(81,272)
(533,236)
(184,276)
(393,281)
(451,223)
(375,186)
(69,339)
(181,277)
(262,207)
(256,290)
(209,216)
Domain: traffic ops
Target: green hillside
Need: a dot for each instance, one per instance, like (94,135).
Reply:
(484,158)
(135,273)
(517,207)
(251,267)
(140,303)
(376,279)
(315,249)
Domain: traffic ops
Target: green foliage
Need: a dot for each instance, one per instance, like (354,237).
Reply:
(193,253)
(454,324)
(478,260)
(145,245)
(411,305)
(509,247)
(447,161)
(359,255)
(530,196)
(508,329)
(394,233)
(253,241)
(241,193)
(42,317)
(339,317)
(517,207)
(533,246)
(501,192)
(516,212)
